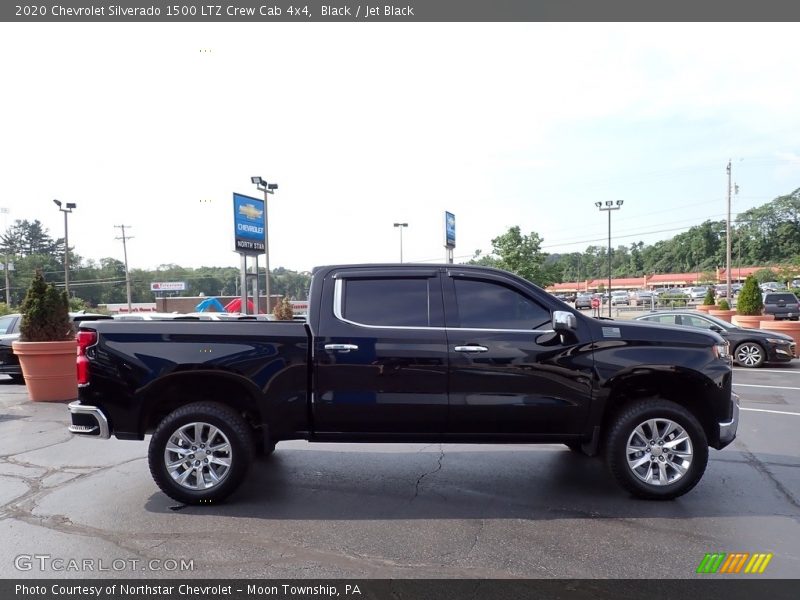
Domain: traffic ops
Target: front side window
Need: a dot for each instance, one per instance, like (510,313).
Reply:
(699,322)
(387,302)
(488,305)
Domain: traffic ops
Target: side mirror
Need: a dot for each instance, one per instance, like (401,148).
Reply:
(564,321)
(716,328)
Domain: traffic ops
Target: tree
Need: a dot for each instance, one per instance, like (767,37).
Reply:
(25,238)
(521,254)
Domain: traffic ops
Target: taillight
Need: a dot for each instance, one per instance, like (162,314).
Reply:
(85,339)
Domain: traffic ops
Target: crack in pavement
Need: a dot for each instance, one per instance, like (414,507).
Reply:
(759,466)
(477,537)
(424,475)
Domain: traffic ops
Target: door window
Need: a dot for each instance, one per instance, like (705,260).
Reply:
(398,302)
(488,305)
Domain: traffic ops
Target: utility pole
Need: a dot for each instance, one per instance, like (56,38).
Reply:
(125,252)
(728,238)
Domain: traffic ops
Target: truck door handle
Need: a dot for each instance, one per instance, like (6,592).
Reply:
(341,347)
(471,349)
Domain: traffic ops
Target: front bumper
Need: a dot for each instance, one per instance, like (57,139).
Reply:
(88,421)
(727,430)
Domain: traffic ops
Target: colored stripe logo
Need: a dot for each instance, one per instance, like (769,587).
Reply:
(734,562)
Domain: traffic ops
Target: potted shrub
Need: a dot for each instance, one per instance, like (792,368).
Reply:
(46,345)
(750,305)
(723,311)
(709,302)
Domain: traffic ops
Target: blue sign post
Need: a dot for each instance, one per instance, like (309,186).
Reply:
(249,222)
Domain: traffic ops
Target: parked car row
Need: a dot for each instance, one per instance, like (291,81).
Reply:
(749,347)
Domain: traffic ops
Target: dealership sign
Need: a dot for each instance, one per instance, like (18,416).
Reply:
(249,223)
(449,230)
(168,286)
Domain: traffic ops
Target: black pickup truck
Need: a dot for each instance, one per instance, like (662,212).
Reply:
(411,353)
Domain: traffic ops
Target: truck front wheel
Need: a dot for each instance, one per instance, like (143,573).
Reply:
(200,453)
(656,449)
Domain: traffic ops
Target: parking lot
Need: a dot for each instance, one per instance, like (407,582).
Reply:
(396,511)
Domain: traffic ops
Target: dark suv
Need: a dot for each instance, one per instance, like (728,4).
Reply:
(784,305)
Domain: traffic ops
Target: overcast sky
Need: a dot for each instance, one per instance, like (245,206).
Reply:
(362,125)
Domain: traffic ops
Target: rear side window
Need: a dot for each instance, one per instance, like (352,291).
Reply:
(774,298)
(387,302)
(5,325)
(487,305)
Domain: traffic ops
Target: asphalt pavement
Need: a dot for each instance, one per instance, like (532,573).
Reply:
(395,511)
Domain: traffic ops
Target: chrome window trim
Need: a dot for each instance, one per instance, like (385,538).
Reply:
(338,294)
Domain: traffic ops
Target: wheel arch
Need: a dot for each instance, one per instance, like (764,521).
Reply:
(687,388)
(168,393)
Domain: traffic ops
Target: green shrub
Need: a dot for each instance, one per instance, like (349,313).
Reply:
(45,313)
(723,305)
(672,300)
(709,300)
(750,301)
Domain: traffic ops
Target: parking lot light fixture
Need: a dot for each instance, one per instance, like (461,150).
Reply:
(401,226)
(66,211)
(267,188)
(608,207)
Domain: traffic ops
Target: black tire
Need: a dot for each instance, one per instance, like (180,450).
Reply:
(234,433)
(660,463)
(18,378)
(750,355)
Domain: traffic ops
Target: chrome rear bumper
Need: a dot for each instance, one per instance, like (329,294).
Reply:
(88,420)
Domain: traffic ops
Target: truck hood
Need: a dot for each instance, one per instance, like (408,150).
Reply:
(640,331)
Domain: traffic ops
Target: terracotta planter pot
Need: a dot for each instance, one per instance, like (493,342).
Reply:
(791,328)
(725,315)
(750,321)
(707,307)
(49,369)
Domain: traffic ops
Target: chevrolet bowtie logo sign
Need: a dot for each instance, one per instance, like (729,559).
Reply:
(250,211)
(735,562)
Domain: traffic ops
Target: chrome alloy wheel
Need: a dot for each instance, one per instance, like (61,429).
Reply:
(198,456)
(749,355)
(659,452)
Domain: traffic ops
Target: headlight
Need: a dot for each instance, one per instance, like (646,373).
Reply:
(778,341)
(722,350)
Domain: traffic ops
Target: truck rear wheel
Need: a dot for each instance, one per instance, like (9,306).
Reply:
(200,453)
(656,449)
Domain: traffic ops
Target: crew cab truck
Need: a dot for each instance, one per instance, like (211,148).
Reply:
(409,353)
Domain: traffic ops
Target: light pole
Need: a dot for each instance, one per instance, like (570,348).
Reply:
(4,212)
(608,207)
(401,226)
(66,211)
(267,188)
